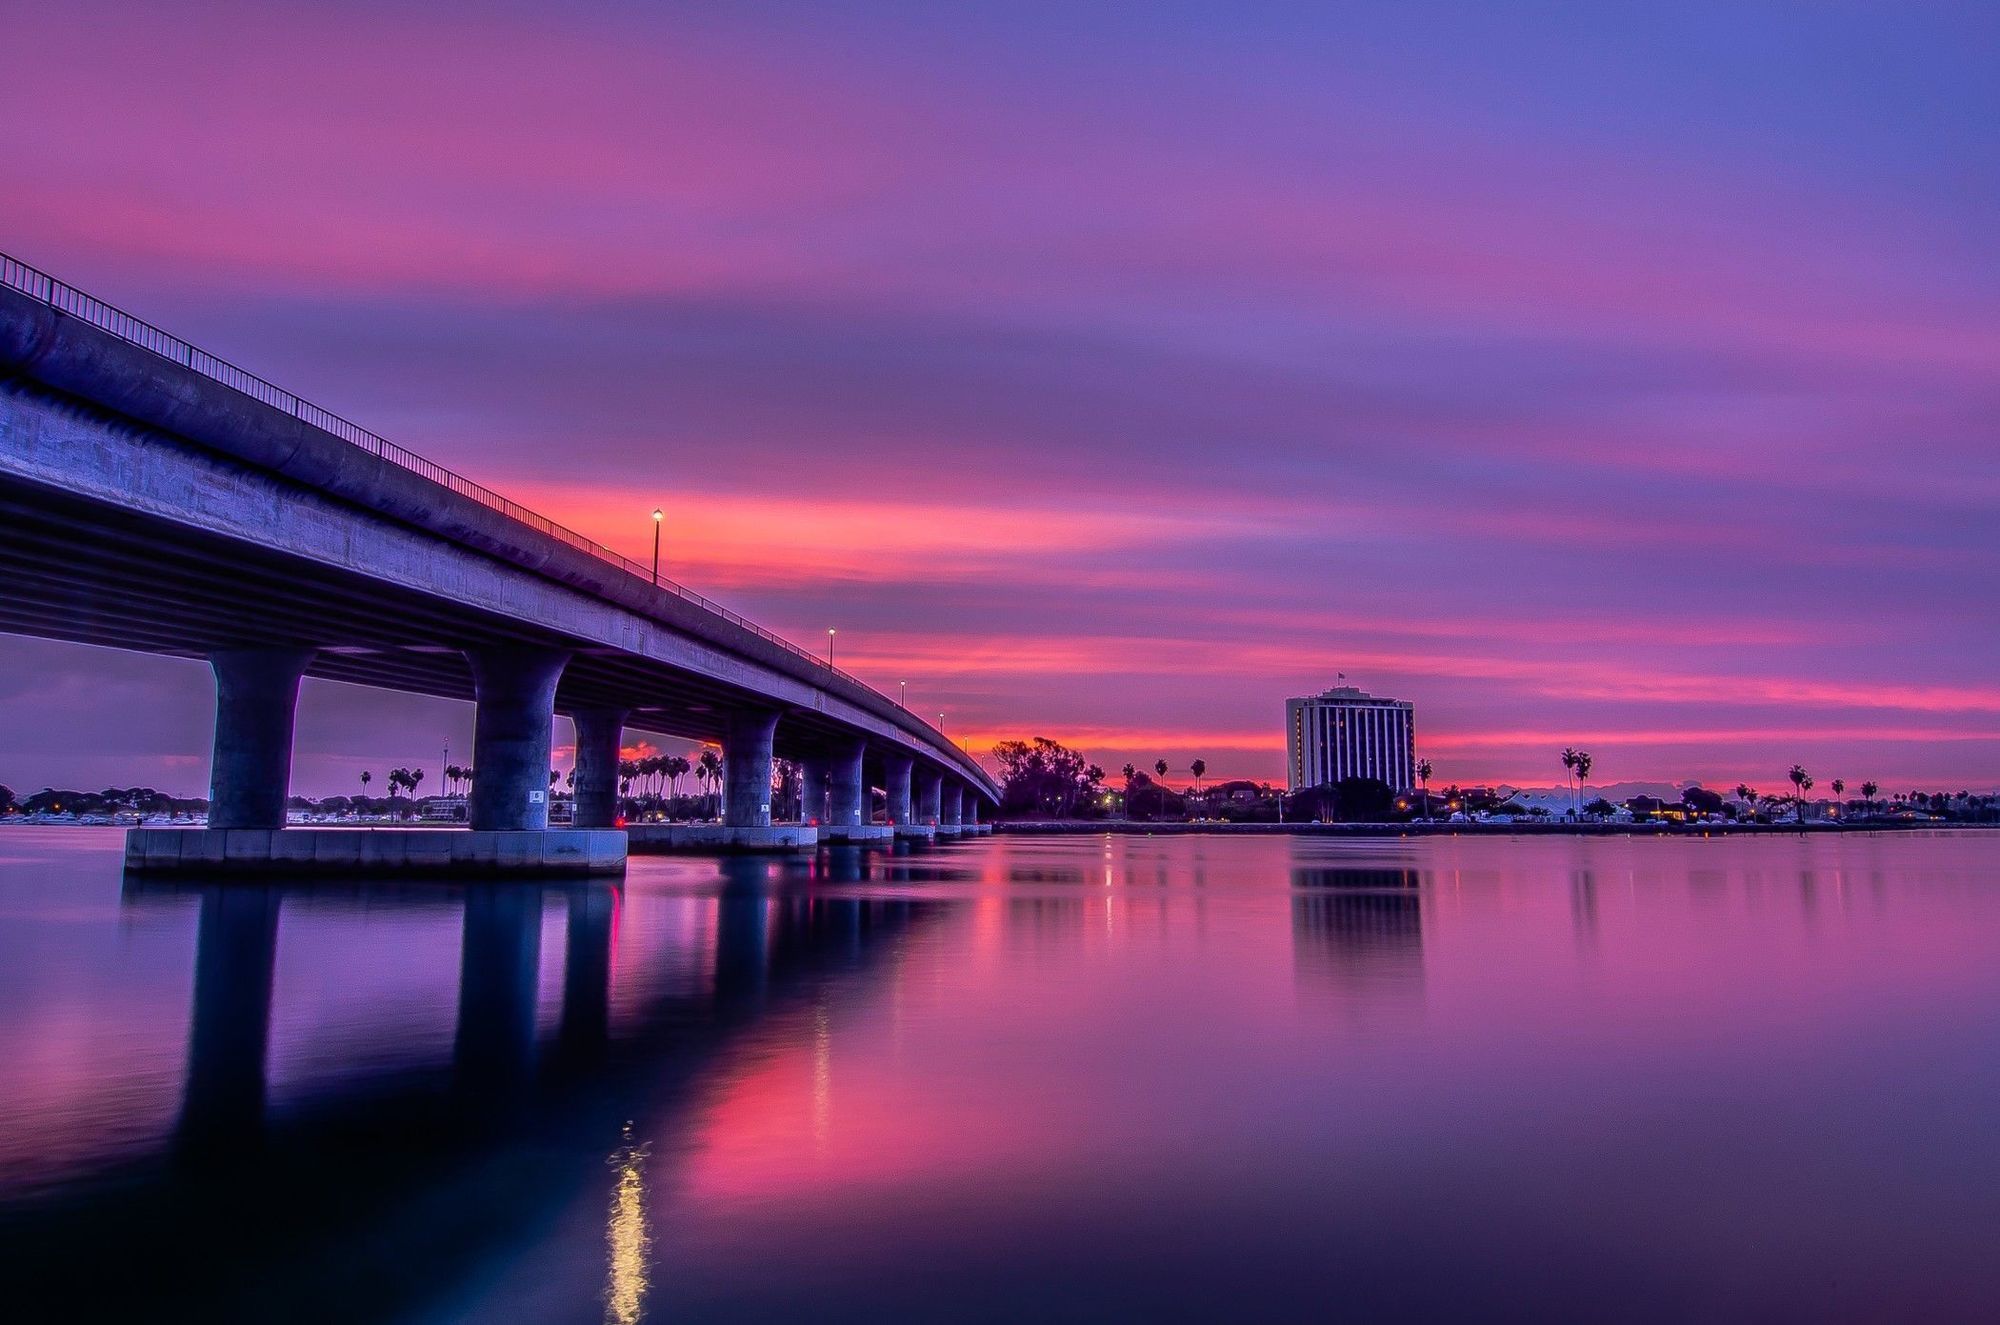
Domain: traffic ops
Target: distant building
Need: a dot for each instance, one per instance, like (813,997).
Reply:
(1347,733)
(442,809)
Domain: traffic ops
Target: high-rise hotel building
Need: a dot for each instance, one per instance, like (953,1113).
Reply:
(1347,733)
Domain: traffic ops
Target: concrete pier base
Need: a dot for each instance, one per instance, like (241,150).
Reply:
(949,832)
(916,832)
(699,839)
(857,832)
(405,852)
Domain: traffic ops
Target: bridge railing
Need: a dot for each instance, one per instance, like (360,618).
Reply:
(37,284)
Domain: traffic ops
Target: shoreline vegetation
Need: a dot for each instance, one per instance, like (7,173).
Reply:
(1044,782)
(1418,828)
(1046,787)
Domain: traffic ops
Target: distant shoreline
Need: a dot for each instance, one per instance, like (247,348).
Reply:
(1085,828)
(1220,828)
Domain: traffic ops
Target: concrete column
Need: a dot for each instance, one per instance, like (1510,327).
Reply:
(850,787)
(256,696)
(812,790)
(897,784)
(599,732)
(930,796)
(746,768)
(512,735)
(971,810)
(953,803)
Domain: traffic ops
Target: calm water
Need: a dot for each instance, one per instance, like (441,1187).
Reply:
(1070,1079)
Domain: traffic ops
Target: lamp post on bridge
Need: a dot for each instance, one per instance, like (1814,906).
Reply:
(904,698)
(829,647)
(658,516)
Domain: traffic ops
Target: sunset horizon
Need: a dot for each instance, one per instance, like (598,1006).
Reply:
(1118,386)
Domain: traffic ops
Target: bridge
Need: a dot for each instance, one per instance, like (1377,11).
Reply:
(156,498)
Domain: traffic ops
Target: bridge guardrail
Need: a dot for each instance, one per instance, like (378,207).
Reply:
(65,298)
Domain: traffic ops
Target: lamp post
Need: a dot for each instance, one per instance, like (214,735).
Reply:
(829,646)
(904,697)
(658,516)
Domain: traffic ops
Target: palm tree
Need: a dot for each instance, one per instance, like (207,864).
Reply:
(1582,778)
(1868,790)
(1160,767)
(1838,785)
(1130,772)
(1569,769)
(366,778)
(1198,767)
(1424,781)
(1803,781)
(710,767)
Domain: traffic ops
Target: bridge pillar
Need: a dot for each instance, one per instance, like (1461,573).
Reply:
(256,698)
(812,790)
(897,785)
(971,811)
(930,796)
(598,735)
(850,787)
(953,807)
(512,736)
(746,768)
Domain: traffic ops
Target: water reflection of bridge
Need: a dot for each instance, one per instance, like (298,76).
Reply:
(381,1188)
(1358,930)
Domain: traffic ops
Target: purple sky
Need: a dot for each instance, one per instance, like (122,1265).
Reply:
(1615,375)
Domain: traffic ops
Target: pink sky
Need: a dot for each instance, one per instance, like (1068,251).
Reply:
(1626,381)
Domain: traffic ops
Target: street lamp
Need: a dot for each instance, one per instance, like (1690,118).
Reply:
(658,515)
(904,699)
(829,646)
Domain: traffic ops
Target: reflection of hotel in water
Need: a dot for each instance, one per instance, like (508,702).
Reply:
(1358,932)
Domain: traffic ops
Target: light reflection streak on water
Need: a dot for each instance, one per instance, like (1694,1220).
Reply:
(822,1078)
(627,1242)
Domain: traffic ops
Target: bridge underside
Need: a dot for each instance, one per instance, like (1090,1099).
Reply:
(80,571)
(146,505)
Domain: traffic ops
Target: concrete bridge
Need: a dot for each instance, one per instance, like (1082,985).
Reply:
(153,497)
